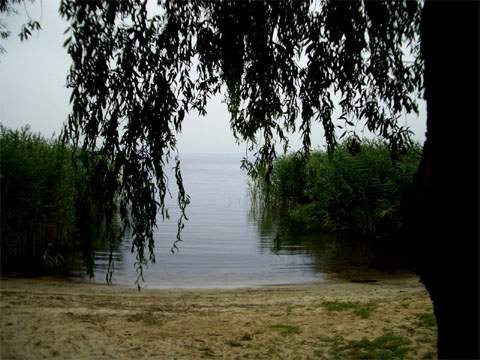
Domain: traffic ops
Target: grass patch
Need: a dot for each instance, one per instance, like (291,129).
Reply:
(286,330)
(385,347)
(361,310)
(426,320)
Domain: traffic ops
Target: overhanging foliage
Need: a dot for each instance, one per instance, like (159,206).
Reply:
(138,69)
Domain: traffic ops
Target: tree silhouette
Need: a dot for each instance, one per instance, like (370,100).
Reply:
(445,213)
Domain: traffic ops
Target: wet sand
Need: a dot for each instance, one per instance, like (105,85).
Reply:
(58,319)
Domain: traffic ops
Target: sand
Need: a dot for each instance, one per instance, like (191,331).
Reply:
(58,319)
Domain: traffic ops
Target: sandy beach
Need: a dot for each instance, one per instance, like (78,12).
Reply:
(51,318)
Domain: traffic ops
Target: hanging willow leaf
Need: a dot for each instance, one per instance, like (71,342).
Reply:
(280,65)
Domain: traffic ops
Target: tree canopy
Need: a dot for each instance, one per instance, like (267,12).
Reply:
(137,69)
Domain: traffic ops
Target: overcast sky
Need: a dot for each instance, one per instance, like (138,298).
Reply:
(33,91)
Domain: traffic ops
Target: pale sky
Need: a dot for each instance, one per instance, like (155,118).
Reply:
(33,91)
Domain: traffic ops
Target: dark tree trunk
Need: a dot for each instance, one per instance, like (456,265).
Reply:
(446,219)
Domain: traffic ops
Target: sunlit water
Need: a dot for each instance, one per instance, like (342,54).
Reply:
(225,244)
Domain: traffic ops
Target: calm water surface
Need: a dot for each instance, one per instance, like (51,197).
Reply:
(226,244)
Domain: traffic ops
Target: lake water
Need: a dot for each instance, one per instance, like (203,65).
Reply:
(225,243)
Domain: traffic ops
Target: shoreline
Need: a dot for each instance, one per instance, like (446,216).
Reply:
(360,275)
(45,318)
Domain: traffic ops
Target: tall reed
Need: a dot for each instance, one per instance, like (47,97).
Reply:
(51,219)
(356,189)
